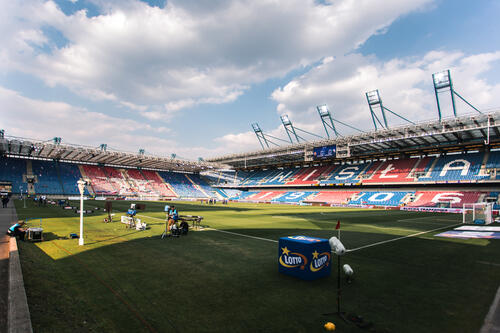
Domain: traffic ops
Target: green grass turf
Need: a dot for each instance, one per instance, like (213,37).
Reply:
(129,281)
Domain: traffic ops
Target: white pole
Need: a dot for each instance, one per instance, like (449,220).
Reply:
(80,241)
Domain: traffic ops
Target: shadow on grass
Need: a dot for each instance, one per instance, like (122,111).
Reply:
(221,282)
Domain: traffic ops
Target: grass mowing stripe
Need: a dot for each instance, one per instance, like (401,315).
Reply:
(127,304)
(398,238)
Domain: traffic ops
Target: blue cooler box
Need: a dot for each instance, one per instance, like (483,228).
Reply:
(305,257)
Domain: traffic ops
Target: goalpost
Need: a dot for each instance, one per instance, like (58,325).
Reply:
(478,213)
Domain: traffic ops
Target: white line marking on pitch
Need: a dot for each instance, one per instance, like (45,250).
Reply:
(150,217)
(243,235)
(488,263)
(227,232)
(398,238)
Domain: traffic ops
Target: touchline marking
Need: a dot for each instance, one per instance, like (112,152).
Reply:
(488,263)
(227,232)
(398,238)
(243,235)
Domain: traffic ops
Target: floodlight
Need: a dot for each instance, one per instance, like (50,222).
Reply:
(285,120)
(441,79)
(256,127)
(323,110)
(373,97)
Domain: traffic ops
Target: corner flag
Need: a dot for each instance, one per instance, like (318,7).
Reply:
(338,225)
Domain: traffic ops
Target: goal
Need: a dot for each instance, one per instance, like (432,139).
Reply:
(478,213)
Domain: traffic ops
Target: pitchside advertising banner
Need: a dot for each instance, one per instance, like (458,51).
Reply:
(324,152)
(307,258)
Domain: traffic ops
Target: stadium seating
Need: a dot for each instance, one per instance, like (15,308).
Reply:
(99,181)
(393,171)
(463,167)
(494,163)
(12,170)
(202,185)
(266,196)
(140,185)
(310,175)
(70,174)
(157,183)
(448,199)
(244,195)
(346,174)
(333,197)
(387,198)
(48,181)
(230,193)
(182,186)
(294,196)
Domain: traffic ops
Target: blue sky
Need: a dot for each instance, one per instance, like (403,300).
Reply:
(189,77)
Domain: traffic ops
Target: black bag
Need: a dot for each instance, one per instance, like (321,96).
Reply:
(184,228)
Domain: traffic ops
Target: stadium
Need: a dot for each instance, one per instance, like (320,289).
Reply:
(393,189)
(349,219)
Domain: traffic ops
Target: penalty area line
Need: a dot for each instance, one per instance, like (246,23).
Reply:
(402,237)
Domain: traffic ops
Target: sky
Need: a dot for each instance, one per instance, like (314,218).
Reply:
(189,77)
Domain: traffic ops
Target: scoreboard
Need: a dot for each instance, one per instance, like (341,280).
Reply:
(324,152)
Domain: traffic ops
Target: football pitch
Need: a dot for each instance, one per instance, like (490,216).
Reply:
(225,277)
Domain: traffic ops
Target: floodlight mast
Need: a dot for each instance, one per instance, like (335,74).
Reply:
(326,119)
(442,80)
(289,128)
(373,98)
(260,135)
(325,115)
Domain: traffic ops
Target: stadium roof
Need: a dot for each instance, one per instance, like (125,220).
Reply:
(27,148)
(469,132)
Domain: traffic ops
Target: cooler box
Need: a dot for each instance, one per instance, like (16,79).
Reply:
(305,257)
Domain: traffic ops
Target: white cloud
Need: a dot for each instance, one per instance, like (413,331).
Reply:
(405,86)
(31,118)
(186,53)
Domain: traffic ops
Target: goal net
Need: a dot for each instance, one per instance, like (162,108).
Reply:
(478,213)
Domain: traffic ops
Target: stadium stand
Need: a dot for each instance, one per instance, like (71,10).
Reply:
(48,181)
(388,198)
(265,196)
(70,174)
(462,167)
(181,185)
(99,181)
(310,175)
(12,170)
(157,183)
(294,196)
(346,174)
(229,193)
(393,171)
(139,184)
(333,197)
(448,199)
(244,195)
